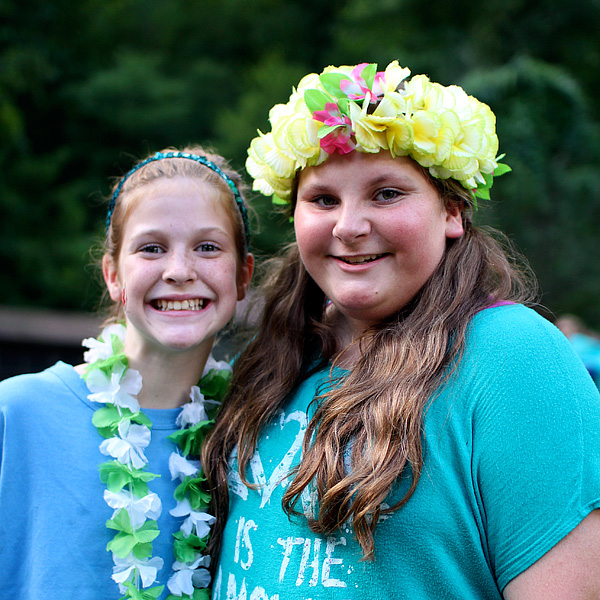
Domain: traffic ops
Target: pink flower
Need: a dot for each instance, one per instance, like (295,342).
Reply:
(339,139)
(356,87)
(331,116)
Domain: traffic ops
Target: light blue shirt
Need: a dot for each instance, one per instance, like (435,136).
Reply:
(52,513)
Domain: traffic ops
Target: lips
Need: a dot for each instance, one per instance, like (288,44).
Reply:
(174,305)
(359,260)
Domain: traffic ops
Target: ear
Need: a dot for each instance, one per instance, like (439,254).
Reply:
(111,278)
(245,276)
(454,223)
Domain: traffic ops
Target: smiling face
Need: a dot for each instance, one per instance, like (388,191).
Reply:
(179,265)
(371,230)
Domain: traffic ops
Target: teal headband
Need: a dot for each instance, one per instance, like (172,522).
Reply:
(199,159)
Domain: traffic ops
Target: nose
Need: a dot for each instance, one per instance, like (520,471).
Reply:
(351,223)
(179,269)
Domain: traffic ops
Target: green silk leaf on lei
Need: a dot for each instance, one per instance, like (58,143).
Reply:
(148,594)
(106,365)
(192,488)
(117,475)
(143,550)
(186,549)
(108,418)
(215,384)
(127,539)
(199,594)
(190,440)
(120,522)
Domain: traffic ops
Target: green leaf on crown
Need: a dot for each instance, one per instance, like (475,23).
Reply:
(501,170)
(331,82)
(368,74)
(344,106)
(326,130)
(316,100)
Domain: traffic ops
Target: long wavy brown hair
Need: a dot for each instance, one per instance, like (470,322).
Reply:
(378,408)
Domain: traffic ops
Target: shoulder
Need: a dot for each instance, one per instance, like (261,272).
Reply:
(517,337)
(56,380)
(514,322)
(517,364)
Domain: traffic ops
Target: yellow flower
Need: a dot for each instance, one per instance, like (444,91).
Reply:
(270,168)
(441,127)
(394,75)
(369,129)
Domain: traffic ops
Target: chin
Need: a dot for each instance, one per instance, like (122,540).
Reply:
(184,344)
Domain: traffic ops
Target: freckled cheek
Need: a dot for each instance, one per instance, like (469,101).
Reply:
(221,275)
(130,273)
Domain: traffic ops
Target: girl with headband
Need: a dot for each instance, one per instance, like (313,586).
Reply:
(101,491)
(402,425)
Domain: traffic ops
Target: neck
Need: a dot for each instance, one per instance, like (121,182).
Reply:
(347,331)
(167,379)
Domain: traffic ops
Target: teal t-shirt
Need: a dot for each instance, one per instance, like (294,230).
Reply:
(512,464)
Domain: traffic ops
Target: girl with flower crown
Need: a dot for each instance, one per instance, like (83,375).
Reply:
(101,492)
(402,425)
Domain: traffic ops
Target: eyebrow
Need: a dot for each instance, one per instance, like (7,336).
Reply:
(315,188)
(388,178)
(159,232)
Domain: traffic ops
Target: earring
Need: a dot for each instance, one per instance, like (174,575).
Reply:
(124,297)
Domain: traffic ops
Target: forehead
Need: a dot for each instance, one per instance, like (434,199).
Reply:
(361,167)
(185,199)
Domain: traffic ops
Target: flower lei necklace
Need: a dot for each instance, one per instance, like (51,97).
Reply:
(136,509)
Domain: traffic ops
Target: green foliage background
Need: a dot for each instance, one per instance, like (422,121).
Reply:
(87,87)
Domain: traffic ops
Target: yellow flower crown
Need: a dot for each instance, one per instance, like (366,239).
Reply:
(358,108)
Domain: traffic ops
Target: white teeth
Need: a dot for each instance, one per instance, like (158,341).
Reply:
(194,304)
(353,260)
